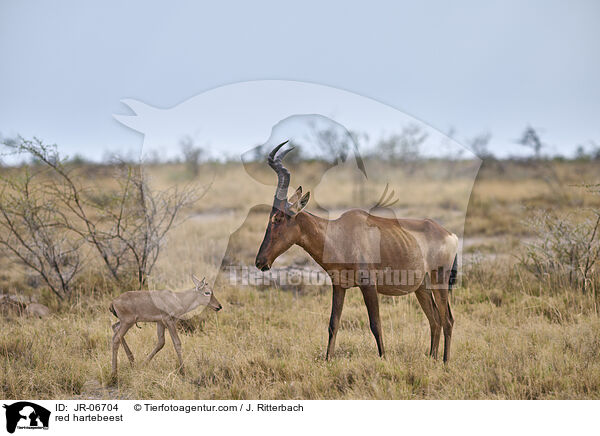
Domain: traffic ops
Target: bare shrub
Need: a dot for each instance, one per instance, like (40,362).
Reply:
(564,252)
(125,226)
(34,232)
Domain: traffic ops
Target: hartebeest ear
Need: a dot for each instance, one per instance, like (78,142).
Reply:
(295,196)
(299,205)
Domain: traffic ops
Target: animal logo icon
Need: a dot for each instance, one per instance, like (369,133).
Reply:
(26,415)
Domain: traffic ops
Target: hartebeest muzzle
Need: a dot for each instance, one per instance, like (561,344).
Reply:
(264,257)
(262,264)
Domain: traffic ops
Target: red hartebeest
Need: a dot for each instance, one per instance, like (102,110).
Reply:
(379,255)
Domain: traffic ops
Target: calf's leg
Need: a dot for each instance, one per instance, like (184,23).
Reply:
(160,331)
(125,346)
(176,343)
(116,341)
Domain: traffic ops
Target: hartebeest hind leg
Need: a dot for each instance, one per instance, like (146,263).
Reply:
(371,301)
(428,305)
(334,322)
(160,332)
(441,298)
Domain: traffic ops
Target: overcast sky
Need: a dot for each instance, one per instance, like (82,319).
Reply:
(473,66)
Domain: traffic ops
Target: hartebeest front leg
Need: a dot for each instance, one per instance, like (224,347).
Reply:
(370,295)
(334,322)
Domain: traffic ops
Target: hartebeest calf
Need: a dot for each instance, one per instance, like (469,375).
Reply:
(164,308)
(379,255)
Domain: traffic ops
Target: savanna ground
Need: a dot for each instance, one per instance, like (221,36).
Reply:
(515,337)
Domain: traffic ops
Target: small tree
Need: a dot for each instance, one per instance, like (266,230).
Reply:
(531,139)
(33,231)
(191,155)
(479,144)
(126,226)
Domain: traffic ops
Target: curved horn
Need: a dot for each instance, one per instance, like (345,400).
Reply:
(283,175)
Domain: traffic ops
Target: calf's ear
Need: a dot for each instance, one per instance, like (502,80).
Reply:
(196,281)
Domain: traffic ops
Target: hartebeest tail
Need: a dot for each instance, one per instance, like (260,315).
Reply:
(453,274)
(420,253)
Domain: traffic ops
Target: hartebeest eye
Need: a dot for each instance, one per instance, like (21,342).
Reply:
(207,293)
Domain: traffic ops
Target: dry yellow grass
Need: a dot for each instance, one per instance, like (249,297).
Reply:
(509,341)
(270,344)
